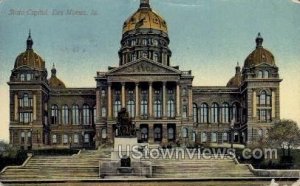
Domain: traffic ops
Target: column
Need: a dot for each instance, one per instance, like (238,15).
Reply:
(109,107)
(16,107)
(254,103)
(164,99)
(123,95)
(150,100)
(273,104)
(178,99)
(190,94)
(137,100)
(98,104)
(34,107)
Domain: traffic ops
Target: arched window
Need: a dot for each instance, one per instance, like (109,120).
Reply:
(76,138)
(95,114)
(171,108)
(131,108)
(155,57)
(171,133)
(214,137)
(157,108)
(103,112)
(133,42)
(225,113)
(22,77)
(86,138)
(260,74)
(25,100)
(104,133)
(263,98)
(75,115)
(86,114)
(185,133)
(194,137)
(54,114)
(144,133)
(214,113)
(266,74)
(195,113)
(225,137)
(203,137)
(144,108)
(65,115)
(117,108)
(54,139)
(203,113)
(157,133)
(184,111)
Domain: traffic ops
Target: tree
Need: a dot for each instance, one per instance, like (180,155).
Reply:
(284,134)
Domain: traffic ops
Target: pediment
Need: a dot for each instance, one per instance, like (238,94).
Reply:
(143,66)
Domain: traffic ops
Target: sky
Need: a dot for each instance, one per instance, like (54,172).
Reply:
(208,37)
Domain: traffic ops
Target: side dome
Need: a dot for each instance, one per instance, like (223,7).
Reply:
(259,55)
(146,18)
(30,58)
(236,80)
(54,82)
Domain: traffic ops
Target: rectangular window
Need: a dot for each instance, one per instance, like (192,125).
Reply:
(103,112)
(203,137)
(65,139)
(76,138)
(86,138)
(214,137)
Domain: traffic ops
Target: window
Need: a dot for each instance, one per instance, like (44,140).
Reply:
(133,42)
(225,136)
(29,139)
(264,115)
(214,113)
(225,113)
(260,133)
(260,74)
(214,137)
(264,99)
(104,133)
(25,101)
(155,42)
(144,108)
(86,115)
(133,57)
(54,114)
(203,113)
(117,108)
(203,137)
(145,42)
(144,133)
(76,138)
(75,115)
(194,137)
(22,77)
(195,113)
(25,117)
(65,114)
(155,57)
(54,139)
(103,112)
(86,138)
(131,108)
(95,114)
(103,93)
(171,108)
(235,112)
(184,92)
(65,139)
(29,77)
(171,133)
(184,111)
(266,74)
(22,137)
(185,133)
(157,133)
(157,108)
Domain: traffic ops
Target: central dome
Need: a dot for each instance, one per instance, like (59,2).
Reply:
(145,18)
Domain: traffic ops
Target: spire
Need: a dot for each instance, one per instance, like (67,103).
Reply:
(144,4)
(237,68)
(29,41)
(259,40)
(53,70)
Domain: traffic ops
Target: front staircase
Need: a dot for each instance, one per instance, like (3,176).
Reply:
(85,166)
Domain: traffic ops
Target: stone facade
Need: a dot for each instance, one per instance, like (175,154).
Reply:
(161,99)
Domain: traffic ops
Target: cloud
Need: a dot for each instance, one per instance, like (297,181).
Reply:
(296,1)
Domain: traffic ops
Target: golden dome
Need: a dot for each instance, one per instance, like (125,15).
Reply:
(259,55)
(54,82)
(145,17)
(29,58)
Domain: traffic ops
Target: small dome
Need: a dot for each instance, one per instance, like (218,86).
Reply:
(145,17)
(259,55)
(236,80)
(29,58)
(54,82)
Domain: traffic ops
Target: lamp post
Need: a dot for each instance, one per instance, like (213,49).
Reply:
(231,132)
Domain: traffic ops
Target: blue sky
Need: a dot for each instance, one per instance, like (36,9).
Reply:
(207,36)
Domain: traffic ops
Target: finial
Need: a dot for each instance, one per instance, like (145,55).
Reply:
(29,41)
(144,4)
(53,70)
(259,40)
(237,68)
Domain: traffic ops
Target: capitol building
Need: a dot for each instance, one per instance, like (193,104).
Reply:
(164,104)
